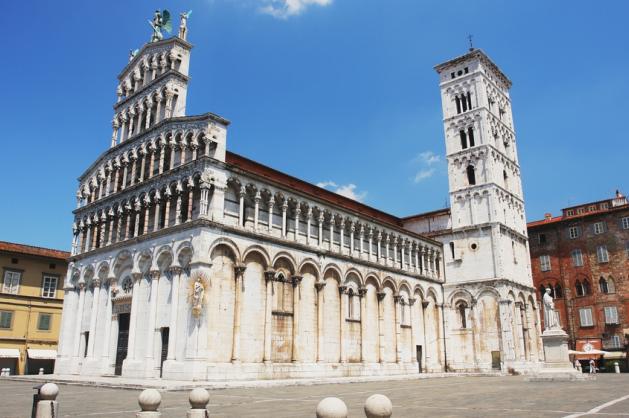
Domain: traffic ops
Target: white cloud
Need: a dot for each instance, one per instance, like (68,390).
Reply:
(283,9)
(426,161)
(347,190)
(423,174)
(427,157)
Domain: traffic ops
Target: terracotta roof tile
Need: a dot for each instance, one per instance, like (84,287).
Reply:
(32,250)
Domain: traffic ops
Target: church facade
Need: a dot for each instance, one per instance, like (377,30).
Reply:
(190,262)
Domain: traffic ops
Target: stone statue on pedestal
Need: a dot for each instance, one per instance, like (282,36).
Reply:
(551,319)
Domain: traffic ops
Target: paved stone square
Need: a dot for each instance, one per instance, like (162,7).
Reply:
(446,397)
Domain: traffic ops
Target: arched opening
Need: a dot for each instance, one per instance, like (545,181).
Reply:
(611,286)
(602,285)
(461,308)
(463,136)
(471,175)
(470,135)
(558,291)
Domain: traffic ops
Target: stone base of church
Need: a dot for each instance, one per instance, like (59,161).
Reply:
(199,370)
(268,371)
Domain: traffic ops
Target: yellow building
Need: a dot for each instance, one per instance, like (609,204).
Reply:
(31,299)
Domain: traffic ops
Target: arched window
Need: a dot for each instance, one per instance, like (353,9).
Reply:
(452,249)
(542,290)
(463,139)
(579,288)
(558,291)
(469,100)
(602,285)
(403,311)
(461,308)
(471,175)
(587,290)
(350,304)
(458,104)
(470,135)
(611,286)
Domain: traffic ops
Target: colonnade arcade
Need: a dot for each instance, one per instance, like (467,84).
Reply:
(144,159)
(128,216)
(258,309)
(266,210)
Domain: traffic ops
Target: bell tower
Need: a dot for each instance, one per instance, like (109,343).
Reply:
(487,208)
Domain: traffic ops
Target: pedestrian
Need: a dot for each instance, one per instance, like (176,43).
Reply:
(592,366)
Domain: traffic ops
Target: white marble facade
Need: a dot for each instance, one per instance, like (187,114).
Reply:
(193,263)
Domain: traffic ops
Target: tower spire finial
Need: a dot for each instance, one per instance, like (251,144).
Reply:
(469,38)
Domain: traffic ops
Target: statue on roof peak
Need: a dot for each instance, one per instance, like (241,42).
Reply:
(161,21)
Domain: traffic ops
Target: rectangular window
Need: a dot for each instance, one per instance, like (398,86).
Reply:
(585,316)
(574,232)
(580,211)
(625,222)
(43,322)
(49,287)
(11,282)
(599,228)
(627,248)
(591,208)
(570,212)
(601,254)
(614,342)
(611,315)
(577,258)
(604,206)
(542,238)
(544,262)
(6,319)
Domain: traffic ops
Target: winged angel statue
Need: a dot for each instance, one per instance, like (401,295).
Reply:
(161,20)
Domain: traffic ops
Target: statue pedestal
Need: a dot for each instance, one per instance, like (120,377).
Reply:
(557,365)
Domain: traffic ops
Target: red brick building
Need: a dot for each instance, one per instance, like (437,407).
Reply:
(584,256)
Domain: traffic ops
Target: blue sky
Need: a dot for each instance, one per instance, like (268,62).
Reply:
(340,92)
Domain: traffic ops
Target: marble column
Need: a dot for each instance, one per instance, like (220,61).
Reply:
(93,318)
(270,223)
(137,276)
(411,303)
(320,285)
(362,293)
(297,215)
(296,356)
(150,335)
(241,206)
(284,210)
(397,299)
(256,210)
(268,315)
(79,318)
(175,270)
(381,296)
(106,352)
(239,272)
(342,314)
